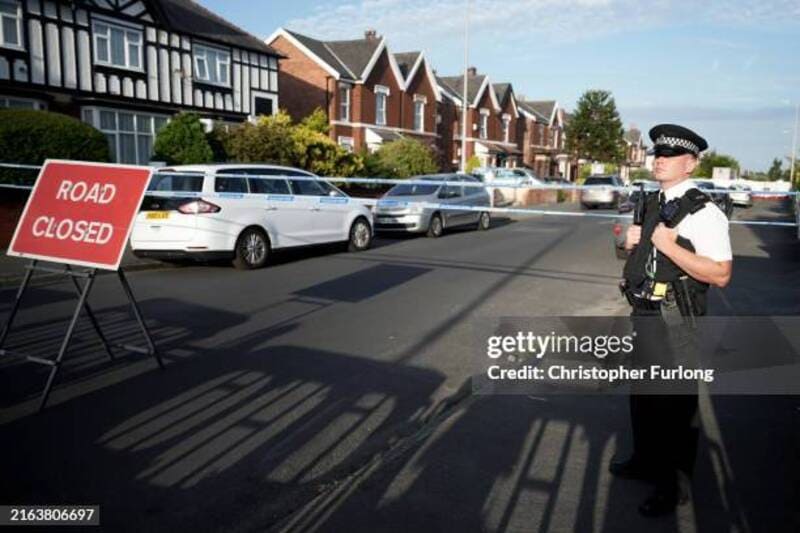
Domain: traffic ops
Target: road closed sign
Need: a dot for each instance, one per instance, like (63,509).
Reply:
(80,213)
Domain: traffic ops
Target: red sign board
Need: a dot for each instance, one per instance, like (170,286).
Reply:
(80,213)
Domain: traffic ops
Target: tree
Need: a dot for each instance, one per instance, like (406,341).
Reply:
(182,141)
(775,171)
(595,129)
(705,168)
(317,121)
(406,157)
(276,140)
(269,140)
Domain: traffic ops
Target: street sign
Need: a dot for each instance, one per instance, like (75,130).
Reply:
(80,213)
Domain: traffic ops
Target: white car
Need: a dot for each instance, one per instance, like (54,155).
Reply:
(508,183)
(241,212)
(740,195)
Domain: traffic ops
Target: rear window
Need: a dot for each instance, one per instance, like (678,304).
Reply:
(412,189)
(176,183)
(599,180)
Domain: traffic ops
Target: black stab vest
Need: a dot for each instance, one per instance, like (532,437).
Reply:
(666,270)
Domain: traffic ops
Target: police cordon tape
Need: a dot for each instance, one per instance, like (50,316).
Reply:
(495,184)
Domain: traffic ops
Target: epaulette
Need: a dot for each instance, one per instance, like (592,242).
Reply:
(697,199)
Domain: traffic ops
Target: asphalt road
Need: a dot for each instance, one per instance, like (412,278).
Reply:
(330,391)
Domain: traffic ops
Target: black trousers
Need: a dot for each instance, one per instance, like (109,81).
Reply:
(664,413)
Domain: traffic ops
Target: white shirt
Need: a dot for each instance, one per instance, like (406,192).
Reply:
(706,229)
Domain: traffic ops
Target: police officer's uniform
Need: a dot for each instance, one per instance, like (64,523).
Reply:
(664,301)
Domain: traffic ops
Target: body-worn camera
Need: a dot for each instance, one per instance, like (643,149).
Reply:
(669,212)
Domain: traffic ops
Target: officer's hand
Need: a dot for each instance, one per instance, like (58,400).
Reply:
(633,236)
(664,237)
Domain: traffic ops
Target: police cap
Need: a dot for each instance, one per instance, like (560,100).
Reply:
(670,140)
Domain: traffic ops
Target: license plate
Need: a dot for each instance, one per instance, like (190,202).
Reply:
(157,215)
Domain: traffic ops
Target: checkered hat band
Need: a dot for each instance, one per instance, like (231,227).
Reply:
(676,141)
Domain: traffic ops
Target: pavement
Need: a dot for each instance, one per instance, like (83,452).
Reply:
(331,392)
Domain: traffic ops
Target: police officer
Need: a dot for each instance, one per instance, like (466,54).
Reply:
(678,249)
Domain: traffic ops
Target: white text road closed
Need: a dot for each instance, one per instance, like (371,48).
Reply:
(80,213)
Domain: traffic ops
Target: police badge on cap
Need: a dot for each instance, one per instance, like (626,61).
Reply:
(671,140)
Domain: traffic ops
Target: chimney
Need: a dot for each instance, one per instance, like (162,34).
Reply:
(371,35)
(472,71)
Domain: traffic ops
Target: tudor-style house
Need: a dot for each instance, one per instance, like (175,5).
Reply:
(371,95)
(127,66)
(491,126)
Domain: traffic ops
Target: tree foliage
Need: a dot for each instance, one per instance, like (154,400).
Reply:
(775,171)
(403,158)
(29,137)
(705,167)
(274,139)
(182,141)
(595,129)
(472,163)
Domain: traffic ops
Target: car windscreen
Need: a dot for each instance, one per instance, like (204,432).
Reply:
(176,182)
(413,189)
(599,180)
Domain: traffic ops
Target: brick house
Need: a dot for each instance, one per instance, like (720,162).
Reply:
(544,143)
(127,66)
(635,151)
(370,95)
(491,127)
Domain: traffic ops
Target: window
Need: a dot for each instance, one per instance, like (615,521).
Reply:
(307,188)
(21,103)
(130,135)
(260,183)
(484,124)
(506,123)
(174,182)
(419,113)
(347,143)
(236,185)
(263,106)
(117,46)
(212,65)
(344,103)
(10,24)
(381,94)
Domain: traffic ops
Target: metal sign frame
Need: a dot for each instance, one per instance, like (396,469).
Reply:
(82,291)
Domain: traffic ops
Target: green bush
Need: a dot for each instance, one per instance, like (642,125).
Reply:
(182,141)
(29,137)
(269,140)
(317,121)
(472,163)
(641,174)
(406,157)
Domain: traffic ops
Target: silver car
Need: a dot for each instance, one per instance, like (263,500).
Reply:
(432,208)
(602,191)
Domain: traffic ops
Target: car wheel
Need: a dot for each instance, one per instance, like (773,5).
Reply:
(252,249)
(436,227)
(484,221)
(360,236)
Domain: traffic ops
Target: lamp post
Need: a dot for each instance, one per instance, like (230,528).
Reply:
(464,93)
(794,144)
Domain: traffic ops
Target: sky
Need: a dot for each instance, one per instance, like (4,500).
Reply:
(728,69)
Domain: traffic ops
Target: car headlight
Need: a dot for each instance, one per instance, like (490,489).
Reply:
(415,209)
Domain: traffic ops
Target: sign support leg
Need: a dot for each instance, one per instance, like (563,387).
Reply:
(15,307)
(92,318)
(137,313)
(67,338)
